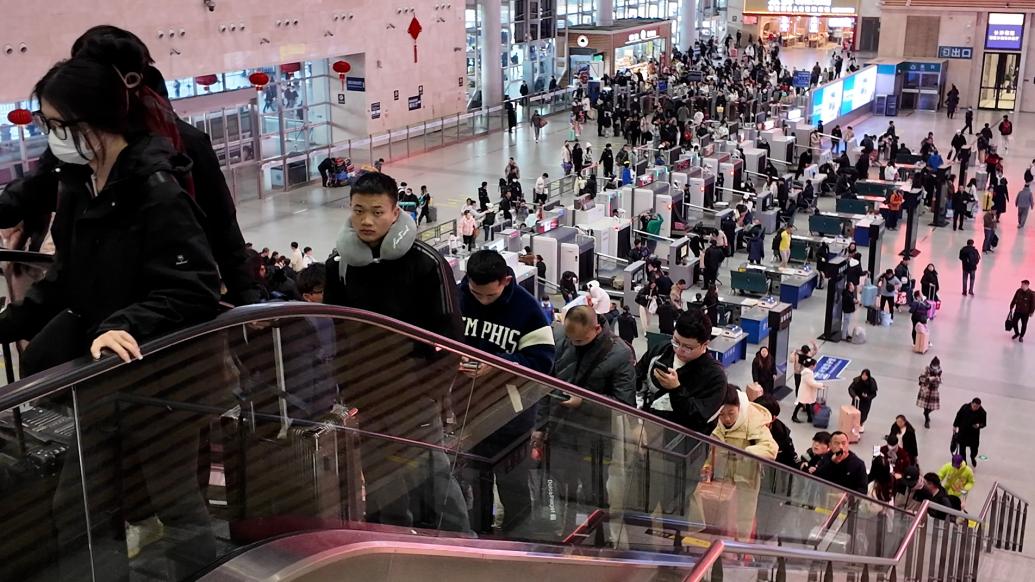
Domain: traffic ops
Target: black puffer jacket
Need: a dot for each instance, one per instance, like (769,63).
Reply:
(132,258)
(696,402)
(31,199)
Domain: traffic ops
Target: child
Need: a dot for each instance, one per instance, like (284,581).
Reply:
(548,309)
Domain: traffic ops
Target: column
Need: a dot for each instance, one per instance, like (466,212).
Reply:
(687,24)
(491,70)
(605,12)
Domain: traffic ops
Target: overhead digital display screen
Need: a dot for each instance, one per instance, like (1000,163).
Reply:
(1004,32)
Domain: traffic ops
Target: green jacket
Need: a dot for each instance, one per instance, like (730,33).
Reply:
(654,225)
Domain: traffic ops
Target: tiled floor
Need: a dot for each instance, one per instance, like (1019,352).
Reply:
(978,357)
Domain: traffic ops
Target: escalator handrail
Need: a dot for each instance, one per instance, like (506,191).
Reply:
(25,257)
(49,382)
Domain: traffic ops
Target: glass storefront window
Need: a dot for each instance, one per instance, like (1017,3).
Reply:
(634,56)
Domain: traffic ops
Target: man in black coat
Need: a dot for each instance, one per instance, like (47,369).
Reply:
(842,467)
(380,266)
(713,258)
(970,419)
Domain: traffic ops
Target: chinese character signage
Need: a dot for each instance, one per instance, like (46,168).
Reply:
(817,7)
(955,52)
(1004,32)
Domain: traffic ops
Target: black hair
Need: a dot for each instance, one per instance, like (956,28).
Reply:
(976,401)
(294,245)
(933,479)
(837,433)
(892,440)
(376,183)
(822,437)
(732,396)
(770,404)
(307,249)
(312,278)
(694,324)
(486,266)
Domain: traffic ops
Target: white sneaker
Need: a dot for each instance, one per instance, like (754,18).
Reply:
(142,534)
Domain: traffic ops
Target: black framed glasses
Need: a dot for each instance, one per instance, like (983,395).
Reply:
(46,125)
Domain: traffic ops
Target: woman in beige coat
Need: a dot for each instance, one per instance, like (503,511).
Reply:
(744,425)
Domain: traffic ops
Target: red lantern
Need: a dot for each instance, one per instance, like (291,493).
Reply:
(20,117)
(290,68)
(414,30)
(341,67)
(259,80)
(206,80)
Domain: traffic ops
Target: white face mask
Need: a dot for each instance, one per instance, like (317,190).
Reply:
(65,150)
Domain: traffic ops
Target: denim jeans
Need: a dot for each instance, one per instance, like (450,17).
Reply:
(968,275)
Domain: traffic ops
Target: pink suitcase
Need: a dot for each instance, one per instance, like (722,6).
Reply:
(923,340)
(849,422)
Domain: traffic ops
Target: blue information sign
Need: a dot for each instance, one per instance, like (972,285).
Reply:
(802,78)
(830,368)
(356,83)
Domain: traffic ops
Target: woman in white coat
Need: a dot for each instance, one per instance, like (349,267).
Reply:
(809,391)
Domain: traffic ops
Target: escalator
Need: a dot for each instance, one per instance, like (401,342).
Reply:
(301,438)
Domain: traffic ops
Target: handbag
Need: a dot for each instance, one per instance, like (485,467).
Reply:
(652,306)
(954,443)
(1009,325)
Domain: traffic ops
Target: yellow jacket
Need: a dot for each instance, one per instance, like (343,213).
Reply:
(956,482)
(750,433)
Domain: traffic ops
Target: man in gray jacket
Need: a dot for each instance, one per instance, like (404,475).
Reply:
(1024,204)
(574,430)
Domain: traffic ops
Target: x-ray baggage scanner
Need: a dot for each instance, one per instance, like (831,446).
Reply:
(613,236)
(782,149)
(548,244)
(713,163)
(681,261)
(732,171)
(633,277)
(578,257)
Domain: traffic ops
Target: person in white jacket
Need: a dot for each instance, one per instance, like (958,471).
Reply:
(808,394)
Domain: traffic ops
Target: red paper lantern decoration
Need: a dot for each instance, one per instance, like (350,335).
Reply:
(290,68)
(259,80)
(20,117)
(206,80)
(341,67)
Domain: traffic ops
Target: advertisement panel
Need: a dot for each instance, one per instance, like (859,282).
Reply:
(859,90)
(826,102)
(1005,31)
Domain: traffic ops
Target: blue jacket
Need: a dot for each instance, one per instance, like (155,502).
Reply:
(934,161)
(513,327)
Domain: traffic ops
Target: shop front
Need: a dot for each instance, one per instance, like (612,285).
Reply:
(637,45)
(803,23)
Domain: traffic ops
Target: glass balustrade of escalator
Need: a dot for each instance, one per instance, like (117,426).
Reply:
(297,417)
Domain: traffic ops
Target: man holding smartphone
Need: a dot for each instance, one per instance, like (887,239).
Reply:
(843,467)
(502,318)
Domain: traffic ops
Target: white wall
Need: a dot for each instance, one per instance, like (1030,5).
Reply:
(958,29)
(265,32)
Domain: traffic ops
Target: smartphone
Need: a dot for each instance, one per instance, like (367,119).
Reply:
(471,365)
(662,367)
(876,450)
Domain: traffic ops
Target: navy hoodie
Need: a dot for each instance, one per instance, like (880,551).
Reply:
(513,327)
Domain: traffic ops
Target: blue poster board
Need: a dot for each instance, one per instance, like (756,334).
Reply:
(830,368)
(802,78)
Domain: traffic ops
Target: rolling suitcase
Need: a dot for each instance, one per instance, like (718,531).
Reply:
(849,422)
(923,340)
(868,295)
(283,476)
(872,316)
(821,415)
